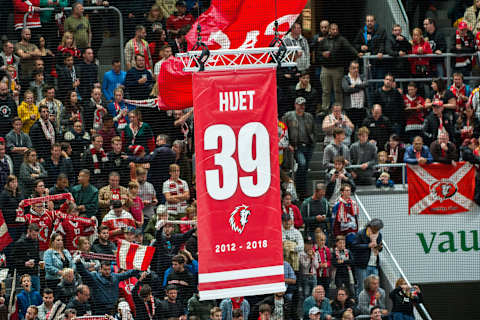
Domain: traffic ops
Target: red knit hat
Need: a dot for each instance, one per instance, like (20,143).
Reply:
(136,149)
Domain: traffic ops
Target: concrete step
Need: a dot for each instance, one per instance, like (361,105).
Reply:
(316,165)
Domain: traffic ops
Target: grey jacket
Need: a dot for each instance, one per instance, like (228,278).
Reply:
(364,301)
(361,153)
(348,90)
(331,151)
(291,120)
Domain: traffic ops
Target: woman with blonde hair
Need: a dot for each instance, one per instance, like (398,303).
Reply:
(68,45)
(403,298)
(419,66)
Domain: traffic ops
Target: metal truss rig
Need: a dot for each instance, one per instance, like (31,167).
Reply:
(236,59)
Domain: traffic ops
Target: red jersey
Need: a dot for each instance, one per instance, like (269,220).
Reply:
(414,116)
(45,222)
(464,90)
(20,7)
(176,22)
(113,223)
(72,228)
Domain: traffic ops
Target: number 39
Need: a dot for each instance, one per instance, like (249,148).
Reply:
(221,190)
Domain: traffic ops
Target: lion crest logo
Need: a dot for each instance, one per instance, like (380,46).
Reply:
(239,218)
(443,189)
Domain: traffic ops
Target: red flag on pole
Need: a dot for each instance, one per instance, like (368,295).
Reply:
(238,187)
(440,188)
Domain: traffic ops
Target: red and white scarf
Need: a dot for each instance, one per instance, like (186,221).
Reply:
(151,313)
(346,208)
(323,253)
(96,162)
(122,122)
(145,52)
(28,202)
(98,117)
(463,41)
(48,130)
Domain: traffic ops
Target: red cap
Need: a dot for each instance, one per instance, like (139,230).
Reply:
(136,149)
(462,25)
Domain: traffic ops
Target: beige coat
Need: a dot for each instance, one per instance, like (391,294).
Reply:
(472,20)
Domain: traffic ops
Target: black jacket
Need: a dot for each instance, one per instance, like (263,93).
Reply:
(380,130)
(8,111)
(40,143)
(270,300)
(87,73)
(65,82)
(375,45)
(185,292)
(66,291)
(140,308)
(338,309)
(402,303)
(431,124)
(360,249)
(64,166)
(116,163)
(437,42)
(341,52)
(166,248)
(135,90)
(82,308)
(24,250)
(160,160)
(109,248)
(392,104)
(9,205)
(394,46)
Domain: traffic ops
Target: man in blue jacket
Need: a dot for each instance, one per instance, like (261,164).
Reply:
(417,153)
(104,285)
(27,297)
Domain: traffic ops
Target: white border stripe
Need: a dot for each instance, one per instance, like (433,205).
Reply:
(242,291)
(139,255)
(122,254)
(240,274)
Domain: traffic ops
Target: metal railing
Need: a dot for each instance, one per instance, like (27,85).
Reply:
(447,62)
(386,165)
(397,266)
(115,9)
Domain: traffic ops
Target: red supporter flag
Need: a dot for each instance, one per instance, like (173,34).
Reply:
(440,188)
(134,256)
(238,187)
(5,238)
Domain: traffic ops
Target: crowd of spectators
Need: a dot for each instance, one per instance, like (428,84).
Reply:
(64,128)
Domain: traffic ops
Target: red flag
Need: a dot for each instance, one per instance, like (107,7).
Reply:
(134,256)
(174,86)
(244,23)
(240,237)
(5,238)
(440,188)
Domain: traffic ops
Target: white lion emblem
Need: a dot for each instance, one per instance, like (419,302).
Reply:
(239,218)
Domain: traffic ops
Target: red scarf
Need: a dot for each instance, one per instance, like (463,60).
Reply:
(28,202)
(145,53)
(373,299)
(235,304)
(323,253)
(121,120)
(346,207)
(96,162)
(152,307)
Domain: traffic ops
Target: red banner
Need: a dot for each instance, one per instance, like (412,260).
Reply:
(440,188)
(238,187)
(5,238)
(242,24)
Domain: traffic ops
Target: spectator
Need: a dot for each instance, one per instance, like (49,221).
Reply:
(438,121)
(336,119)
(30,171)
(179,42)
(370,39)
(316,211)
(27,297)
(68,45)
(342,303)
(467,125)
(118,161)
(104,285)
(78,141)
(138,80)
(95,160)
(6,166)
(295,38)
(55,108)
(417,153)
(464,43)
(460,90)
(415,112)
(345,215)
(28,53)
(336,148)
(366,246)
(80,301)
(155,22)
(403,298)
(342,261)
(320,302)
(292,242)
(333,53)
(280,305)
(112,80)
(138,46)
(72,112)
(391,101)
(157,40)
(8,109)
(88,76)
(7,57)
(160,160)
(289,208)
(37,86)
(176,192)
(113,191)
(448,99)
(136,204)
(68,79)
(47,55)
(9,200)
(179,18)
(118,109)
(61,186)
(363,153)
(46,307)
(102,244)
(145,302)
(181,278)
(28,262)
(43,134)
(372,296)
(419,67)
(56,259)
(171,307)
(181,159)
(324,28)
(354,95)
(117,220)
(107,131)
(379,127)
(147,193)
(28,112)
(84,248)
(443,150)
(301,140)
(85,195)
(138,132)
(67,287)
(397,46)
(165,52)
(79,26)
(18,143)
(324,259)
(304,89)
(437,43)
(56,164)
(204,310)
(228,305)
